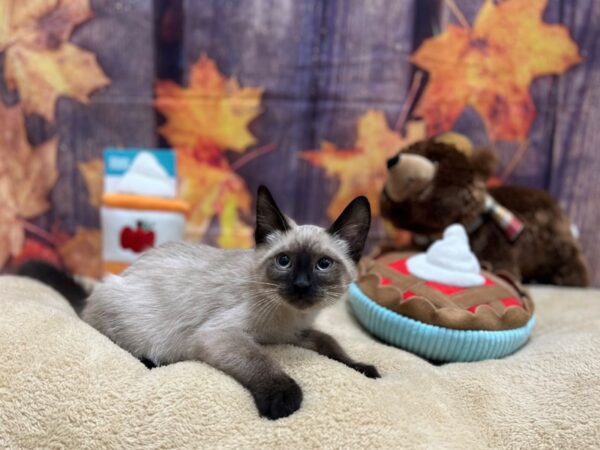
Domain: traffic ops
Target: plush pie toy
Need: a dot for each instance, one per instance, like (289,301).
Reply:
(440,304)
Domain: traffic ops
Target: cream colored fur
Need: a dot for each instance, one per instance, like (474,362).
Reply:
(65,385)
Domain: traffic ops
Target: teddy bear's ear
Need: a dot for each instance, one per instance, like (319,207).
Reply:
(484,162)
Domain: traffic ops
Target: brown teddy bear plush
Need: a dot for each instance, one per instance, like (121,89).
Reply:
(432,184)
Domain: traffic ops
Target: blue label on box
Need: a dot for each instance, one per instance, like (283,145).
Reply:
(118,160)
(149,172)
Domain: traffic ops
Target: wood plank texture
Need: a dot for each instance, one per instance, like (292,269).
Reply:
(576,147)
(322,64)
(320,71)
(274,45)
(121,35)
(357,71)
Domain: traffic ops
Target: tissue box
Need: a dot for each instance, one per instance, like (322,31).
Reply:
(139,206)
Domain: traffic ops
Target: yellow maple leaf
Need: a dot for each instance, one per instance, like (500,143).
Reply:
(39,62)
(233,232)
(362,170)
(211,111)
(490,67)
(26,177)
(12,235)
(214,191)
(93,174)
(209,116)
(81,254)
(40,22)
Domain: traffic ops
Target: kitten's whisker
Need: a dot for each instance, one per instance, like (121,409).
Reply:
(260,295)
(254,280)
(245,280)
(272,303)
(268,314)
(331,299)
(262,299)
(265,311)
(263,314)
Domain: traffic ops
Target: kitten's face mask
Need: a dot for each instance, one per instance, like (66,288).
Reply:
(308,266)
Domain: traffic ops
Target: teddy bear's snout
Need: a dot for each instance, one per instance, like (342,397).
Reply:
(408,175)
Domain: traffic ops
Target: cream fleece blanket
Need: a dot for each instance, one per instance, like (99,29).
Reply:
(64,385)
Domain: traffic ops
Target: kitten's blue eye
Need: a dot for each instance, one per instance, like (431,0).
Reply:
(283,261)
(324,264)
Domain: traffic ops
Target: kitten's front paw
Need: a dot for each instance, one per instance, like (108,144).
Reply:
(278,397)
(366,369)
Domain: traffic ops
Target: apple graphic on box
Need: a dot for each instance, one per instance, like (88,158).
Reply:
(137,239)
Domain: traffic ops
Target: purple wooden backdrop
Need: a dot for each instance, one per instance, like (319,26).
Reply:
(121,114)
(322,65)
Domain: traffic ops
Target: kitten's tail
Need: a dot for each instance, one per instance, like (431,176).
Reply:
(61,281)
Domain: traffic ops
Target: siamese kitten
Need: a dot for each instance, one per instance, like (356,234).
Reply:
(184,301)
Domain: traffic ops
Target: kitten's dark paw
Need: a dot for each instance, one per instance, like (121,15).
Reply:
(366,369)
(278,398)
(148,363)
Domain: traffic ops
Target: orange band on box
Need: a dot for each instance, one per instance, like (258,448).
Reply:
(114,267)
(131,201)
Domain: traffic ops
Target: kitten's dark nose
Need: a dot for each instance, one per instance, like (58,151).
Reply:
(393,161)
(301,283)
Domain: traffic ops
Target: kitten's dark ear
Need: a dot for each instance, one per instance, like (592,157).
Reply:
(353,226)
(268,216)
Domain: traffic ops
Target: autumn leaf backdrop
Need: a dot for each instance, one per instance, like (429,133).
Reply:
(308,97)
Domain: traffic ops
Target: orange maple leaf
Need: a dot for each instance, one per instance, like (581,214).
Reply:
(93,174)
(214,191)
(212,111)
(490,67)
(203,120)
(82,253)
(26,177)
(39,61)
(362,170)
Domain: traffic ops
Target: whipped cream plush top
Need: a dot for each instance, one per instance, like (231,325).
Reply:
(146,177)
(449,261)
